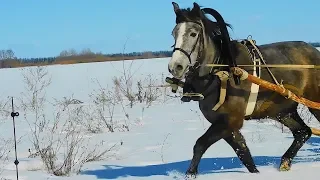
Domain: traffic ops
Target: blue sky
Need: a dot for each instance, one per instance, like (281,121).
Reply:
(40,28)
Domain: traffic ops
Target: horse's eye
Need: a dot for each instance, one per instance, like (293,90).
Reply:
(193,34)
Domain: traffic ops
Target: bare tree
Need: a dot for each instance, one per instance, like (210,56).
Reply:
(6,144)
(86,51)
(5,109)
(124,84)
(70,52)
(59,141)
(152,92)
(7,54)
(64,53)
(105,101)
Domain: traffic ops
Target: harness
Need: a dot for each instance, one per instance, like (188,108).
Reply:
(256,58)
(188,91)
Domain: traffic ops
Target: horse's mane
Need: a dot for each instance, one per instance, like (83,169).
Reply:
(217,31)
(188,15)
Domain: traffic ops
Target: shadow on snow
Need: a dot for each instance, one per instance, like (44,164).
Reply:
(206,166)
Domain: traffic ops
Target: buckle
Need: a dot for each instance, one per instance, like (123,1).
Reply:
(187,97)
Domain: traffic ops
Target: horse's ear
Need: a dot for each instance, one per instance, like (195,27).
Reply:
(196,8)
(176,8)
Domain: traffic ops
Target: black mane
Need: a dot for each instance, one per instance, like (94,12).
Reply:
(217,31)
(188,15)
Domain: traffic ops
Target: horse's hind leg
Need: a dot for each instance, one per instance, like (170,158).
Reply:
(238,143)
(316,113)
(301,133)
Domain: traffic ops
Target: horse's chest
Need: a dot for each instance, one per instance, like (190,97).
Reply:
(208,113)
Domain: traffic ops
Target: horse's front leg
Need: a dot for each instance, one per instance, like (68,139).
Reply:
(239,145)
(215,132)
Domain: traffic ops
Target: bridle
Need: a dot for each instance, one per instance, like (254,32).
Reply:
(192,68)
(192,71)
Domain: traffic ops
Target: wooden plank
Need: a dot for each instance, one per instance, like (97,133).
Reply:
(291,66)
(273,87)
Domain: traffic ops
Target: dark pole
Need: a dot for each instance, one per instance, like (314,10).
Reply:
(13,114)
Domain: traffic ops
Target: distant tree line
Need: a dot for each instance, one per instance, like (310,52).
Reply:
(71,56)
(315,44)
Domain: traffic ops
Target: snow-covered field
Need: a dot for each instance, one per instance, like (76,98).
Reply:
(150,141)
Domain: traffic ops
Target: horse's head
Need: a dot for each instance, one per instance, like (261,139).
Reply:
(198,41)
(188,34)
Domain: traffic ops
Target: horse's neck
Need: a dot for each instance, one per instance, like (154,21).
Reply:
(242,56)
(211,54)
(204,85)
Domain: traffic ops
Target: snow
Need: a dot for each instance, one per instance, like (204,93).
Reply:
(159,144)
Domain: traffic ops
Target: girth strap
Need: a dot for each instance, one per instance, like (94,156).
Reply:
(252,100)
(224,77)
(256,58)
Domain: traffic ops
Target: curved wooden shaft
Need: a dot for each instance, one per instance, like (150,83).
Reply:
(279,89)
(289,66)
(315,131)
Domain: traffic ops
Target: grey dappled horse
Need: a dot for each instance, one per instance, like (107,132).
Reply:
(199,41)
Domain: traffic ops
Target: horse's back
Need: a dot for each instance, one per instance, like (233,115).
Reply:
(294,52)
(290,52)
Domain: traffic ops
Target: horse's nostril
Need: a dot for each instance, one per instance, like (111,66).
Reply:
(179,67)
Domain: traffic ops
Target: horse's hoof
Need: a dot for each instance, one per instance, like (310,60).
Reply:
(255,171)
(191,175)
(285,165)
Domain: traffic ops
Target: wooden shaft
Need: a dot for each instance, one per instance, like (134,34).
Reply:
(315,131)
(291,66)
(279,89)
